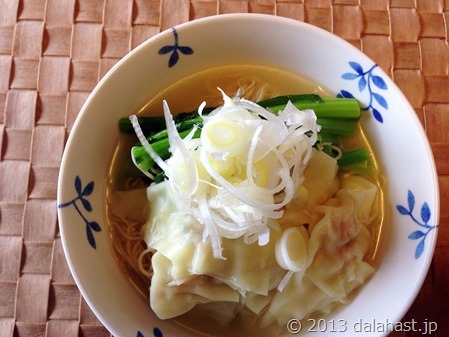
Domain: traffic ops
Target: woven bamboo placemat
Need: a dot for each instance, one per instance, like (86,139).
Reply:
(53,52)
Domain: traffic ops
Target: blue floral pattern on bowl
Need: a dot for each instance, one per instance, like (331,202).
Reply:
(367,80)
(156,333)
(174,56)
(425,215)
(82,193)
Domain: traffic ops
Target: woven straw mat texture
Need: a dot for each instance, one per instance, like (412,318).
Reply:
(52,54)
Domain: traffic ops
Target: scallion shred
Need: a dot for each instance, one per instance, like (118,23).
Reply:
(242,170)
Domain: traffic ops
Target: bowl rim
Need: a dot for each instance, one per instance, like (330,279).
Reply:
(198,23)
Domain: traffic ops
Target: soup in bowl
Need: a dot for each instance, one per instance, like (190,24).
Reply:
(287,202)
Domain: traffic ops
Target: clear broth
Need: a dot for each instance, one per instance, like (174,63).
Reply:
(258,82)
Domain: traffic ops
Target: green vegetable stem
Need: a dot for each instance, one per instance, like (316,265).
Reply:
(338,117)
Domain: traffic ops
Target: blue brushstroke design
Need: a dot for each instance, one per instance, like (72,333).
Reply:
(82,193)
(425,215)
(156,333)
(174,50)
(367,80)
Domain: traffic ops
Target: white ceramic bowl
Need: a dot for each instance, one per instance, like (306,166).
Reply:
(412,204)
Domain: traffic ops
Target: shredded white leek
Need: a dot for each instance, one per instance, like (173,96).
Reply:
(245,168)
(183,173)
(137,129)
